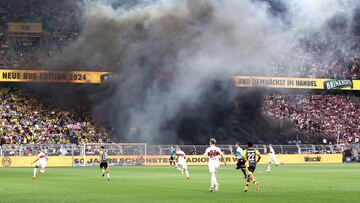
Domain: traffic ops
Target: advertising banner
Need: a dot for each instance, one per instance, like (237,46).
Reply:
(25,161)
(52,76)
(296,83)
(161,160)
(25,27)
(308,158)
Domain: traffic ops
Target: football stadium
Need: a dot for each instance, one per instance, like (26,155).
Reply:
(179,101)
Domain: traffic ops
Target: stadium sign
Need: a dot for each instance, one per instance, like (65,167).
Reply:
(47,76)
(160,160)
(198,160)
(312,159)
(337,84)
(6,161)
(296,83)
(120,160)
(20,27)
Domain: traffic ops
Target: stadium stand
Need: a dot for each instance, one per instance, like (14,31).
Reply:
(26,120)
(26,49)
(329,115)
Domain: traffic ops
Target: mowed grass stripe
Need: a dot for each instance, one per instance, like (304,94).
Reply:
(286,183)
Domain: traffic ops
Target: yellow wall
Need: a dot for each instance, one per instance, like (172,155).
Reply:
(16,161)
(163,160)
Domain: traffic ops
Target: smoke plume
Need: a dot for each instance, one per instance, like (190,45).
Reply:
(176,58)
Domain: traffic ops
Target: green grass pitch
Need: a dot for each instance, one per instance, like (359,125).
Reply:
(287,183)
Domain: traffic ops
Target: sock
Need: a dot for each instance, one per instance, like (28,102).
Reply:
(108,175)
(35,170)
(247,184)
(244,172)
(187,173)
(103,171)
(214,180)
(254,181)
(268,168)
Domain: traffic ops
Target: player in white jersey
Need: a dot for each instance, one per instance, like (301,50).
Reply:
(213,154)
(272,159)
(181,162)
(41,162)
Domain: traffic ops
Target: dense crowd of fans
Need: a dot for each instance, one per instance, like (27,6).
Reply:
(60,23)
(26,120)
(332,116)
(30,50)
(312,59)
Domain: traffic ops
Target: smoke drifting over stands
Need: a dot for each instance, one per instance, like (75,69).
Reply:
(175,60)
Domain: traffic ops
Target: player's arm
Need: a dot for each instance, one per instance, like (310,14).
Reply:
(258,155)
(243,154)
(177,156)
(206,154)
(222,156)
(35,161)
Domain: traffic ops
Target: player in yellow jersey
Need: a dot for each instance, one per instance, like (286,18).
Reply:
(252,157)
(104,164)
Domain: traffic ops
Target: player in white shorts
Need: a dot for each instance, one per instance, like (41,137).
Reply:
(213,154)
(272,159)
(41,163)
(181,162)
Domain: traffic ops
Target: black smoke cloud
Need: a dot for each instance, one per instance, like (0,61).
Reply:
(175,59)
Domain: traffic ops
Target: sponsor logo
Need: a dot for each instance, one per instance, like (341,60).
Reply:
(109,76)
(337,84)
(312,159)
(6,161)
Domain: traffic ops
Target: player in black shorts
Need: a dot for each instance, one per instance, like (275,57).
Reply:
(240,160)
(252,157)
(172,158)
(104,164)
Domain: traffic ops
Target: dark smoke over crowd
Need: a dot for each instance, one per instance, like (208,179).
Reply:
(174,60)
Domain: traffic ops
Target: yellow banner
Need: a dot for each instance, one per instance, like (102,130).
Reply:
(122,160)
(201,160)
(22,161)
(296,83)
(25,27)
(158,160)
(52,76)
(308,158)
